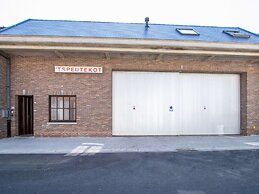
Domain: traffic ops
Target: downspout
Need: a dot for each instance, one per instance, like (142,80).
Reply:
(8,94)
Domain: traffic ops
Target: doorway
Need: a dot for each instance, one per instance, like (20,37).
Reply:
(171,103)
(25,115)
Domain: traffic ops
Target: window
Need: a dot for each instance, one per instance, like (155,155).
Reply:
(187,31)
(62,108)
(236,34)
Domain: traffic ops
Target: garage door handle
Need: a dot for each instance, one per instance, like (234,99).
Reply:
(134,108)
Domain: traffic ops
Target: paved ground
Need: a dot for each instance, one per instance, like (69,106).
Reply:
(182,165)
(193,172)
(89,145)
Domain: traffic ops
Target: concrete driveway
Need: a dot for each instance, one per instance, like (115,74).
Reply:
(91,145)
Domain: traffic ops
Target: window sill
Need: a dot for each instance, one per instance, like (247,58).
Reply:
(62,123)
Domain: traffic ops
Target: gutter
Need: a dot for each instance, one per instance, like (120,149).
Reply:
(91,44)
(128,50)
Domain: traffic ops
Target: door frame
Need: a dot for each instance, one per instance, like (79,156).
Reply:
(18,114)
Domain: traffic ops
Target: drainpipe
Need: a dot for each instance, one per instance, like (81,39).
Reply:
(8,96)
(8,93)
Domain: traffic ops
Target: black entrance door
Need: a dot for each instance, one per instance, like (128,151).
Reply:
(25,115)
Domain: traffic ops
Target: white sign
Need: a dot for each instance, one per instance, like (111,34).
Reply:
(78,69)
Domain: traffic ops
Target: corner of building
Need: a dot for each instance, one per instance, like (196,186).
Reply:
(3,129)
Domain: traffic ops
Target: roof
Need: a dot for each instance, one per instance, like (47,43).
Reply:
(33,27)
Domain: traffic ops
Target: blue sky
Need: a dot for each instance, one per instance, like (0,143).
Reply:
(236,13)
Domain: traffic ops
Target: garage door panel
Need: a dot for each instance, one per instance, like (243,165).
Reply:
(191,104)
(151,94)
(228,104)
(210,104)
(167,116)
(223,100)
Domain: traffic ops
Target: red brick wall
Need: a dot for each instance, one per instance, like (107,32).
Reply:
(253,99)
(2,96)
(35,76)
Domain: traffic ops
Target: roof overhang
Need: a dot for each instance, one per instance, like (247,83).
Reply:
(145,46)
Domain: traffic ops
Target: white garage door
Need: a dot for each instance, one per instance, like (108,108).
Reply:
(154,103)
(210,104)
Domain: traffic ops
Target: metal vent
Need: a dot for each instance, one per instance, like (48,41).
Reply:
(147,20)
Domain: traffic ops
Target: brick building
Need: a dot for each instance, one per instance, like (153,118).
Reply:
(70,78)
